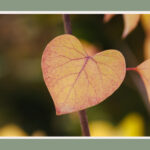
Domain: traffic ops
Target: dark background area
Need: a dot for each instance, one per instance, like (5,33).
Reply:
(25,103)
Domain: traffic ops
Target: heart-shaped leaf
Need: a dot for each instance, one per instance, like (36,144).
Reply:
(130,23)
(77,81)
(144,71)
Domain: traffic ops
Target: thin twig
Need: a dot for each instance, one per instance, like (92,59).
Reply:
(67,24)
(84,123)
(82,113)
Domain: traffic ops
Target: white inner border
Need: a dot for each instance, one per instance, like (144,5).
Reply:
(75,12)
(73,137)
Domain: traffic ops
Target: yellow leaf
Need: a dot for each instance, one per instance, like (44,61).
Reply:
(130,23)
(76,80)
(145,18)
(132,125)
(102,128)
(144,71)
(147,47)
(12,130)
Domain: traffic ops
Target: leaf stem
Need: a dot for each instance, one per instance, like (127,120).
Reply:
(131,69)
(67,24)
(84,123)
(82,113)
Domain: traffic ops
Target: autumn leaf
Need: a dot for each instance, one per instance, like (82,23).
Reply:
(130,125)
(146,25)
(130,23)
(147,47)
(76,80)
(108,17)
(145,18)
(144,71)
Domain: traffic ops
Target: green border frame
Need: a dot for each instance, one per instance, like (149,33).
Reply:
(74,5)
(74,144)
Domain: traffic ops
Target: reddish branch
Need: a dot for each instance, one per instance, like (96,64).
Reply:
(84,123)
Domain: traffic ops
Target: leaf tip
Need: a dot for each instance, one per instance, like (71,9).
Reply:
(124,34)
(107,17)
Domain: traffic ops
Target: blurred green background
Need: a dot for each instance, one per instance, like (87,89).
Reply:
(26,107)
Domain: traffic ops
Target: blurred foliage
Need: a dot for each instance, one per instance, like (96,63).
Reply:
(131,125)
(26,107)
